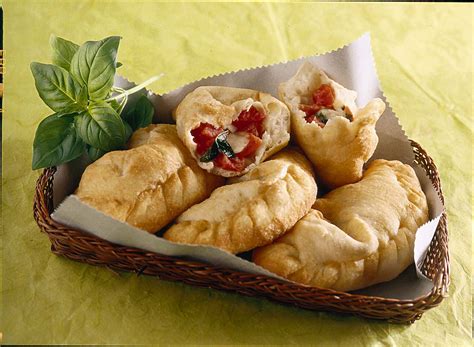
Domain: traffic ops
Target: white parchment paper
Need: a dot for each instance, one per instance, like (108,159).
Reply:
(352,66)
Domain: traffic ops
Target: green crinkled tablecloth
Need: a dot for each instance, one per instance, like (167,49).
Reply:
(424,60)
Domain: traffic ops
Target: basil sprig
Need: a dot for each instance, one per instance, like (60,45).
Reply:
(220,145)
(88,110)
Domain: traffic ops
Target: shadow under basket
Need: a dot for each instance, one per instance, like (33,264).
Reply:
(86,248)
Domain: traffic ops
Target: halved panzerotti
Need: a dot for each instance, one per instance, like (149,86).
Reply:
(230,130)
(336,136)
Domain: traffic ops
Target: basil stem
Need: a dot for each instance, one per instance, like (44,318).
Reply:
(136,88)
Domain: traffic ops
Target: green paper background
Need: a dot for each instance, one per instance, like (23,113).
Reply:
(424,61)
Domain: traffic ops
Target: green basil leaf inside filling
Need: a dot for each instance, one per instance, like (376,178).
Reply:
(321,117)
(211,154)
(223,146)
(220,145)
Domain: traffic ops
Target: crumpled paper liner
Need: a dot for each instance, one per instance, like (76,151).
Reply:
(352,66)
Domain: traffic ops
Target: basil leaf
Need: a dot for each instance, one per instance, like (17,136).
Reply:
(63,51)
(128,130)
(69,111)
(210,155)
(118,64)
(94,153)
(57,88)
(55,142)
(223,146)
(93,65)
(141,114)
(220,145)
(101,127)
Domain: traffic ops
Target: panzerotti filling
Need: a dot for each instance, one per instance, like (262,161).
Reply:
(322,109)
(232,148)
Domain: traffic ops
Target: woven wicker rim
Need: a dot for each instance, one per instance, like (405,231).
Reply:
(90,249)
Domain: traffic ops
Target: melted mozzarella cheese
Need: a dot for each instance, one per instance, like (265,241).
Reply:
(238,141)
(343,97)
(329,114)
(244,105)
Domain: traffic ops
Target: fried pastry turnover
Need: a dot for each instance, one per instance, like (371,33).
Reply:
(337,136)
(254,209)
(148,185)
(366,236)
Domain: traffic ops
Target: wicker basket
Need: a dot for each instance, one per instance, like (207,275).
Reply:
(86,248)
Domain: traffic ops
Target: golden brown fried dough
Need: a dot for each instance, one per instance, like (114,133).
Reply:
(252,211)
(368,236)
(147,186)
(156,134)
(339,149)
(219,107)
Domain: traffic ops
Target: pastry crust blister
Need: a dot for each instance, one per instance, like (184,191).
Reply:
(339,150)
(148,185)
(355,236)
(219,106)
(254,209)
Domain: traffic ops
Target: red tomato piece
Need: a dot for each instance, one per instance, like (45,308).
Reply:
(250,121)
(310,111)
(229,164)
(252,146)
(310,118)
(324,96)
(255,129)
(204,136)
